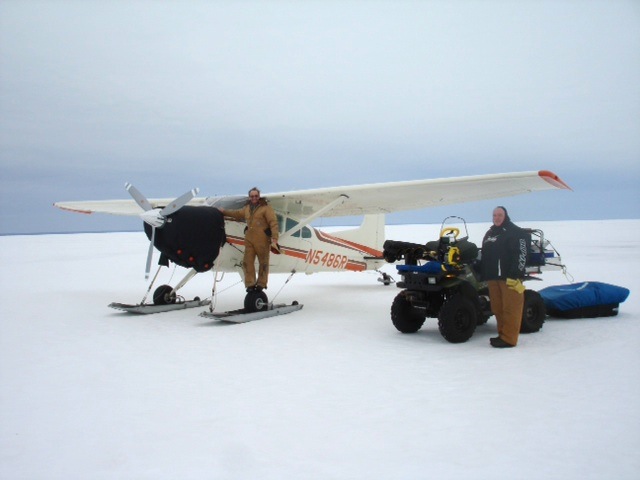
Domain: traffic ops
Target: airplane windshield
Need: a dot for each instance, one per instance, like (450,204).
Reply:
(228,202)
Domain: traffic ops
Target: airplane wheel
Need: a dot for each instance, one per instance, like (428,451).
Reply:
(163,295)
(255,301)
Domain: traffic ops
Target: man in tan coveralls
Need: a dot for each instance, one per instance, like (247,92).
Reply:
(260,236)
(503,264)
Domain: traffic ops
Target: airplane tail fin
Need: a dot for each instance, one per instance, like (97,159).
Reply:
(370,233)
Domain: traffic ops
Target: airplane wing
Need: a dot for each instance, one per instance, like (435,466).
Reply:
(411,195)
(130,207)
(362,199)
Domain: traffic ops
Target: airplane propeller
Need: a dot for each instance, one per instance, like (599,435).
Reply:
(156,217)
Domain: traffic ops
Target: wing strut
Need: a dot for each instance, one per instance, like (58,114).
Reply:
(303,223)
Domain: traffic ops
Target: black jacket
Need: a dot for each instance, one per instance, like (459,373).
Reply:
(504,252)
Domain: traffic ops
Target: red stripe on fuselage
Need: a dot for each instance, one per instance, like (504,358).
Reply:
(325,237)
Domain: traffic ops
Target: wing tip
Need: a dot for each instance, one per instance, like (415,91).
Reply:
(553,179)
(74,210)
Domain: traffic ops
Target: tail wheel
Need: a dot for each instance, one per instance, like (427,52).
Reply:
(164,295)
(255,301)
(404,316)
(533,312)
(457,319)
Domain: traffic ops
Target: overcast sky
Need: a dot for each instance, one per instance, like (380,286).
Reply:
(225,95)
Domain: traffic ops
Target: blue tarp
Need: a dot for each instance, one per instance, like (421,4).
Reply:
(429,267)
(586,299)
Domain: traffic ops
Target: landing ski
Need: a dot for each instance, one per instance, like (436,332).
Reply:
(147,308)
(241,316)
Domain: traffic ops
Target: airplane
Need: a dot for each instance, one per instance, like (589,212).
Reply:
(191,232)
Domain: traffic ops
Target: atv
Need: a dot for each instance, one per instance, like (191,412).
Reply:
(440,280)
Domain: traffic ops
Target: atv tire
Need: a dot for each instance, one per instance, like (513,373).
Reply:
(484,311)
(457,319)
(404,316)
(533,312)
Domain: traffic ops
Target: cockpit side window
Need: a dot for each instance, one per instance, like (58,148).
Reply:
(286,224)
(306,232)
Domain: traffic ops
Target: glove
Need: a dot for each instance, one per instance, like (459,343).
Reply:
(516,285)
(275,248)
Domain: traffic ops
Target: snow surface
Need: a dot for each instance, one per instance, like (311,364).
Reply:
(330,392)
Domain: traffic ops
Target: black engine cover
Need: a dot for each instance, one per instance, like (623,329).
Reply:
(191,237)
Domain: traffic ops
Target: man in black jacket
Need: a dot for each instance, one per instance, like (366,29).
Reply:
(504,257)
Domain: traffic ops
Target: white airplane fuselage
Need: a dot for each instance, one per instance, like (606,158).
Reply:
(310,250)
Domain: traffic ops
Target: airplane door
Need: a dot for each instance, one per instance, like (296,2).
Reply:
(294,248)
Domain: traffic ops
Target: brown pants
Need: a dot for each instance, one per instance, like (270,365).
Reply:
(251,251)
(506,305)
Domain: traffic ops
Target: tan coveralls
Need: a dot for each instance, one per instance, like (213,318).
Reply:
(261,220)
(506,305)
